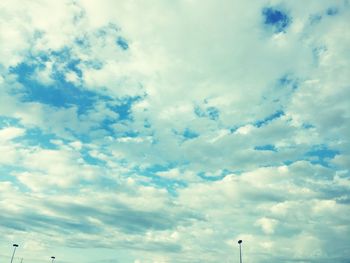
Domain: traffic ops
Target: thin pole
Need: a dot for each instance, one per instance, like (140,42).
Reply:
(240,253)
(14,251)
(240,250)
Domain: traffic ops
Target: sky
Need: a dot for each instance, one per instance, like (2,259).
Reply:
(165,131)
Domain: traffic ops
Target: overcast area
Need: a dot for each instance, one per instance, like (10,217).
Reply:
(165,131)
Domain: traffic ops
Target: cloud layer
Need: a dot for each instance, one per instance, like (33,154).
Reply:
(165,131)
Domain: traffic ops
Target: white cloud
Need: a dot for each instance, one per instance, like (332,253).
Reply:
(10,133)
(267,224)
(172,174)
(245,129)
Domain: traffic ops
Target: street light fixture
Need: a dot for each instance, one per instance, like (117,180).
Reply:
(14,251)
(53,258)
(240,250)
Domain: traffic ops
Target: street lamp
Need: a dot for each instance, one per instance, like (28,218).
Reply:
(53,258)
(14,251)
(240,250)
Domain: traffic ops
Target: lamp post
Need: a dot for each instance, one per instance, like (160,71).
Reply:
(240,250)
(52,259)
(14,251)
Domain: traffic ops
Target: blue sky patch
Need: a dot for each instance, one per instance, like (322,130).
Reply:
(218,177)
(123,107)
(332,11)
(8,121)
(321,154)
(73,65)
(270,118)
(6,176)
(82,42)
(90,159)
(157,168)
(277,19)
(35,137)
(267,147)
(122,43)
(211,113)
(93,64)
(162,182)
(186,134)
(288,81)
(308,126)
(190,134)
(147,124)
(58,94)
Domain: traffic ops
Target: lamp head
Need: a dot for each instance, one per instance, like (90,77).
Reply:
(15,245)
(240,241)
(53,257)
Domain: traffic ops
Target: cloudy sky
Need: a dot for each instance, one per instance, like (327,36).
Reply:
(164,131)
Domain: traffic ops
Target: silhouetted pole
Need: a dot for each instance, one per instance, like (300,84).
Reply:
(14,251)
(53,258)
(240,250)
